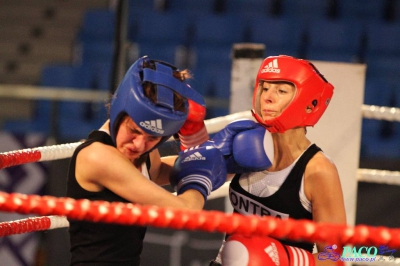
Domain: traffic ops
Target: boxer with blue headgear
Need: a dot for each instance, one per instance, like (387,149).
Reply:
(158,116)
(120,162)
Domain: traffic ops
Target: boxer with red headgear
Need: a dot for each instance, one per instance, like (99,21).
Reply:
(301,182)
(312,96)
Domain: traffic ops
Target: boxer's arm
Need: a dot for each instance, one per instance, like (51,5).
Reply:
(323,188)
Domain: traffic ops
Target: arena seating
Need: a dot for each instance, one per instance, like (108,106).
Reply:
(199,35)
(279,34)
(334,40)
(97,25)
(250,8)
(364,10)
(74,119)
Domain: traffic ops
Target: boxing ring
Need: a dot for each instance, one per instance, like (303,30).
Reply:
(51,213)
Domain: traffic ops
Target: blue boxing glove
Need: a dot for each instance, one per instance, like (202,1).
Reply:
(252,150)
(247,153)
(223,140)
(200,168)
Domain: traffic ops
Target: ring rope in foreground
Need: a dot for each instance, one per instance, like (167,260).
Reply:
(209,221)
(33,224)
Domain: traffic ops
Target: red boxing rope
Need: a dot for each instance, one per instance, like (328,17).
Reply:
(209,221)
(25,226)
(19,157)
(38,154)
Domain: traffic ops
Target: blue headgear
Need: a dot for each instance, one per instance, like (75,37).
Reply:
(155,118)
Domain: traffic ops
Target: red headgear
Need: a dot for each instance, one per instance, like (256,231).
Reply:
(313,92)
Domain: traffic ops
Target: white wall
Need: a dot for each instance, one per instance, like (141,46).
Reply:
(338,132)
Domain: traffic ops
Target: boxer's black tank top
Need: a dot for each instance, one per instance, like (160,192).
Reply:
(283,203)
(101,244)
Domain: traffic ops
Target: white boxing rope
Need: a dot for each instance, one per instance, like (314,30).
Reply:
(214,125)
(379,176)
(56,152)
(381,112)
(58,222)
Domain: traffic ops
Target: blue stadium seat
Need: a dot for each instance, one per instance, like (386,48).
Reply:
(204,56)
(384,67)
(376,141)
(73,120)
(58,75)
(38,123)
(142,5)
(307,10)
(160,51)
(97,24)
(94,51)
(197,8)
(218,30)
(280,35)
(249,8)
(383,51)
(77,119)
(334,40)
(383,39)
(213,81)
(102,75)
(363,10)
(158,27)
(331,56)
(381,148)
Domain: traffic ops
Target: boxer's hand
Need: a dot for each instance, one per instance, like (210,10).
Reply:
(193,132)
(266,251)
(199,168)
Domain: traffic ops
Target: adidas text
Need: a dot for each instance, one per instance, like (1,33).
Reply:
(194,157)
(274,70)
(152,128)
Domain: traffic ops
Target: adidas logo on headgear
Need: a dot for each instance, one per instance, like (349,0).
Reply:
(271,67)
(153,125)
(194,157)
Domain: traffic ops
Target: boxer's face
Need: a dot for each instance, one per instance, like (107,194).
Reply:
(274,98)
(132,141)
